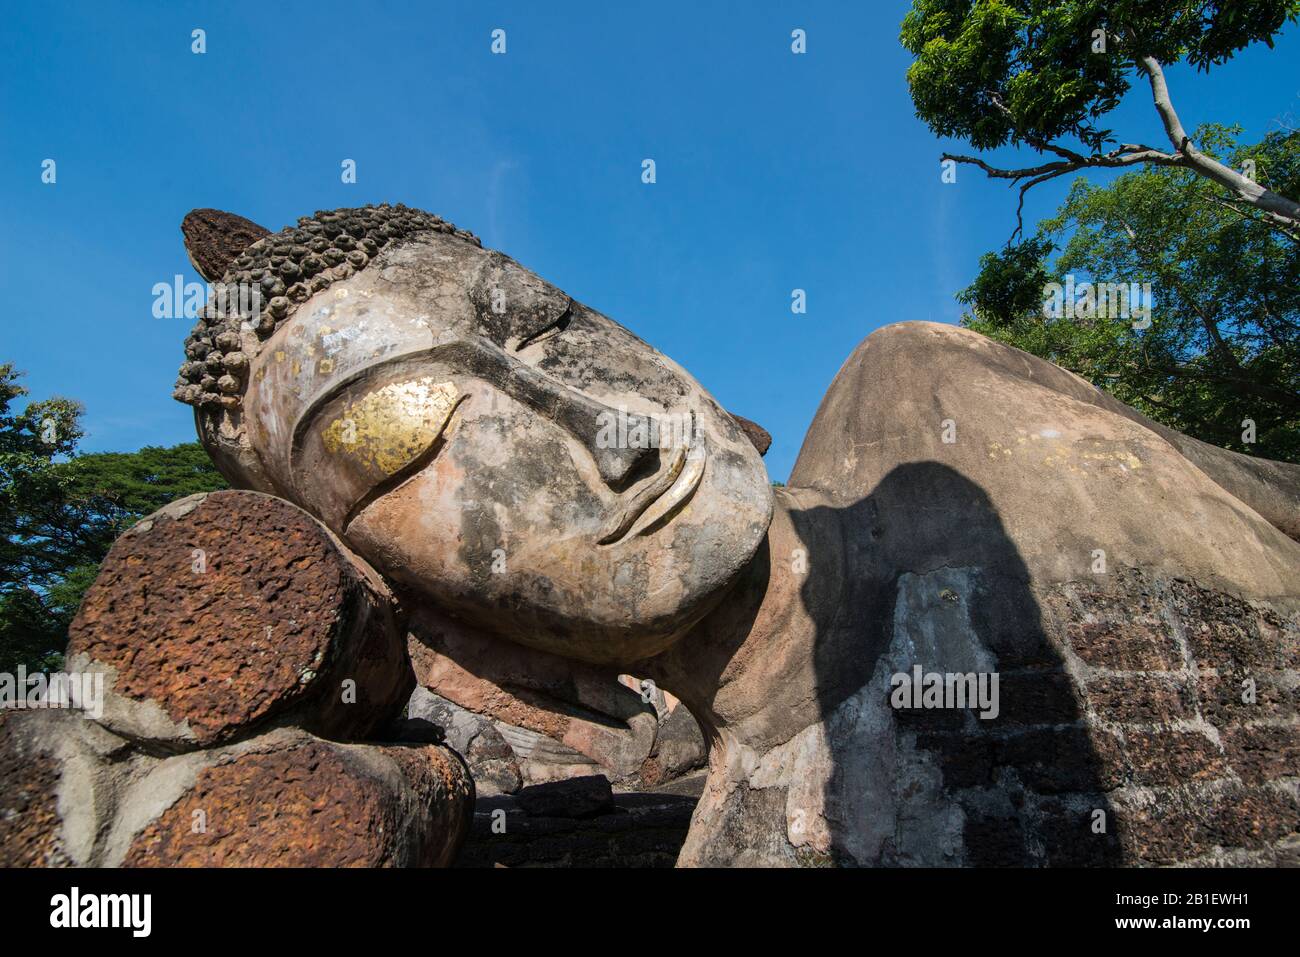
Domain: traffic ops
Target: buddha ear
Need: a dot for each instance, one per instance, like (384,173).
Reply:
(214,239)
(759,436)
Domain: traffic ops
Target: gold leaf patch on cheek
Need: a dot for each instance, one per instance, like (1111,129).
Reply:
(389,428)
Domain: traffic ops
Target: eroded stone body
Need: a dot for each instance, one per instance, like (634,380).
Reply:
(958,506)
(1122,735)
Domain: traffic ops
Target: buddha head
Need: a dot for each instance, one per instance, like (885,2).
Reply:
(487,443)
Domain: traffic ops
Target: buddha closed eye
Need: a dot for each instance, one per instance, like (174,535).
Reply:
(442,410)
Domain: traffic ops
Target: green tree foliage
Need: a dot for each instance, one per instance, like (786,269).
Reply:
(1224,340)
(60,511)
(1046,74)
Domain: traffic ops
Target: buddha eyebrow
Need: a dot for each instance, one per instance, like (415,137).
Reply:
(567,407)
(415,358)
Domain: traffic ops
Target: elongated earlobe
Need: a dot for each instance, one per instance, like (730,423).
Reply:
(214,238)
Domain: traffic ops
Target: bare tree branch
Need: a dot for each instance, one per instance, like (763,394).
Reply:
(1277,211)
(1236,183)
(1129,154)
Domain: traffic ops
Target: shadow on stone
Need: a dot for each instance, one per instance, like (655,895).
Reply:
(575,798)
(939,584)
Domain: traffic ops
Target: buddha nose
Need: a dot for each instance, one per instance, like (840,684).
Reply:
(621,445)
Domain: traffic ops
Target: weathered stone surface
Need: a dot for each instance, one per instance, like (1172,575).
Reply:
(1120,690)
(50,805)
(1262,753)
(486,431)
(29,802)
(572,706)
(958,506)
(678,749)
(1043,450)
(491,760)
(224,611)
(579,706)
(503,757)
(287,267)
(291,800)
(542,758)
(75,794)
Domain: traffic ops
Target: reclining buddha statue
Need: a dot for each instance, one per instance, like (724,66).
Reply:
(995,617)
(961,516)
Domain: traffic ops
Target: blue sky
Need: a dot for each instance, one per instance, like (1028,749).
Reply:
(775,171)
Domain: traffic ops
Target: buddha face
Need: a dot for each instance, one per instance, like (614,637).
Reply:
(509,454)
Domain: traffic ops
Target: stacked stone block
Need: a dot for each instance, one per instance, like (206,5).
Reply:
(245,654)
